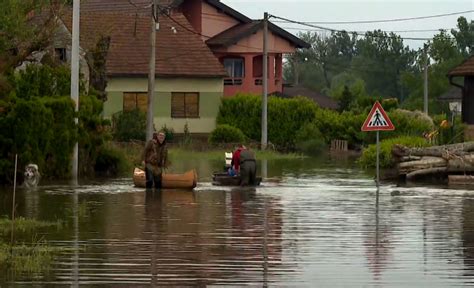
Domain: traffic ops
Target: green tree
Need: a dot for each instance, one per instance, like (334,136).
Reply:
(380,61)
(464,36)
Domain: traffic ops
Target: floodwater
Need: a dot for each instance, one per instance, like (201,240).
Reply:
(313,223)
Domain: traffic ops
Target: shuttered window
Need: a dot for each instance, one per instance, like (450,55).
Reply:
(184,105)
(132,101)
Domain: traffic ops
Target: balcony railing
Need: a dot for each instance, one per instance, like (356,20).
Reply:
(233,81)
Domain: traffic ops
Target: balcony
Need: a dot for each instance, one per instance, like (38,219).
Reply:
(233,81)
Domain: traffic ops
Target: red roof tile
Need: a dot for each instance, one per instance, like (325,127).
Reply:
(464,69)
(177,54)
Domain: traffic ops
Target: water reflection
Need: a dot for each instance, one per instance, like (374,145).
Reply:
(319,224)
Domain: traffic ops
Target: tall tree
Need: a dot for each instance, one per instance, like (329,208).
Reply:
(381,59)
(464,36)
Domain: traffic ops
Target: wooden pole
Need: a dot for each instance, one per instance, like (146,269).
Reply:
(12,240)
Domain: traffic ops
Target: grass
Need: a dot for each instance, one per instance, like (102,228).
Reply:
(24,225)
(22,258)
(180,153)
(27,259)
(133,153)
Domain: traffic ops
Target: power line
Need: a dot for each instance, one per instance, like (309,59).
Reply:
(388,31)
(339,30)
(389,20)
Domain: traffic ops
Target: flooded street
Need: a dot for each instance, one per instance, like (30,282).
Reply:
(311,224)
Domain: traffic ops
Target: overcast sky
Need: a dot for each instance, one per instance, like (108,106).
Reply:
(356,10)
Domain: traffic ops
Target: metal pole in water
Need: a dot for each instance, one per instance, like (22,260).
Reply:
(13,205)
(75,79)
(378,159)
(265,243)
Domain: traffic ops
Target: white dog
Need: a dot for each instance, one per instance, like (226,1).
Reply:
(32,176)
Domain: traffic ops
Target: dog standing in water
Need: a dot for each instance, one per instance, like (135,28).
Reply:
(32,176)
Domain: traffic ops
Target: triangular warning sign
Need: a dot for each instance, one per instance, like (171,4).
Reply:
(377,120)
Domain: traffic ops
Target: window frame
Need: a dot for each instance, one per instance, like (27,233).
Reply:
(184,108)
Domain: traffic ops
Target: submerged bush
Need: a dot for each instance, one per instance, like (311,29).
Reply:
(226,134)
(110,161)
(309,139)
(369,155)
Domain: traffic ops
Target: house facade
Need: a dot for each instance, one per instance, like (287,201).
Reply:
(204,51)
(237,41)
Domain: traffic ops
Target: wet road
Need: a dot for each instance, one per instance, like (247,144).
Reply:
(313,225)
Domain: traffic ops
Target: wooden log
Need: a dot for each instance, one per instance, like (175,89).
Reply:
(410,158)
(461,164)
(461,179)
(424,163)
(460,149)
(425,172)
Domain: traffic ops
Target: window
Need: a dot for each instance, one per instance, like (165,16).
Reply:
(61,54)
(184,105)
(234,67)
(132,101)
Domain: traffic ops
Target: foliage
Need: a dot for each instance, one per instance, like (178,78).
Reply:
(382,61)
(41,128)
(285,117)
(226,134)
(449,131)
(110,161)
(369,155)
(42,80)
(169,133)
(41,131)
(31,258)
(187,139)
(309,139)
(129,125)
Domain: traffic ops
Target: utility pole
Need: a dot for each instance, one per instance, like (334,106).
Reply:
(425,90)
(151,74)
(265,81)
(75,78)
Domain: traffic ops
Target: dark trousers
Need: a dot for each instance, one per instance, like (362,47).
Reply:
(150,179)
(248,173)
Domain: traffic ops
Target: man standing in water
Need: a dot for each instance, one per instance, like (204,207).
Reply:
(248,168)
(155,159)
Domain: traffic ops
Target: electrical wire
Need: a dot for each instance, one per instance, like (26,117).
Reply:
(389,20)
(350,32)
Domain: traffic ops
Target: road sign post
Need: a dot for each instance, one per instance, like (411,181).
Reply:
(377,120)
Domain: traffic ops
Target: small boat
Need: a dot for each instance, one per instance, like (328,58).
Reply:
(186,180)
(224,179)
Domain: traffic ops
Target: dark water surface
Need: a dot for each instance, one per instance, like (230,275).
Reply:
(313,223)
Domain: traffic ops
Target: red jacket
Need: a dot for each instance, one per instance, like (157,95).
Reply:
(236,158)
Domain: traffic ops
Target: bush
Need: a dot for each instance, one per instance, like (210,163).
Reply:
(169,133)
(40,131)
(110,161)
(309,139)
(226,134)
(130,125)
(285,116)
(369,156)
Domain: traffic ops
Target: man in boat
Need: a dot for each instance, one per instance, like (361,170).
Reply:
(235,163)
(155,159)
(248,168)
